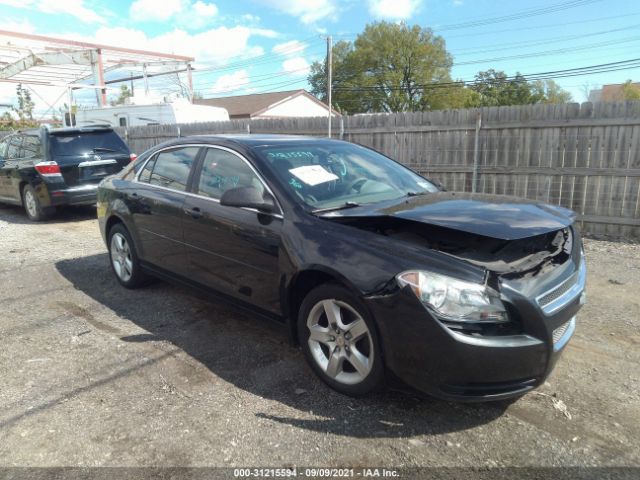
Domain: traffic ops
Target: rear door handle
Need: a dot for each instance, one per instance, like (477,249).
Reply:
(193,212)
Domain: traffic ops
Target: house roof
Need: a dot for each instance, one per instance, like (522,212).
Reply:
(255,104)
(613,92)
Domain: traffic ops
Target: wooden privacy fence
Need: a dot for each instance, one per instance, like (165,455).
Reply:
(584,157)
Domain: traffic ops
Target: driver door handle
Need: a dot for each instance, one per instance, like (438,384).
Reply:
(194,212)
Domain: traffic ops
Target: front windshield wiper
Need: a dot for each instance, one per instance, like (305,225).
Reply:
(416,194)
(339,207)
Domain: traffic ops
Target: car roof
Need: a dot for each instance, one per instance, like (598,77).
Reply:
(94,128)
(261,140)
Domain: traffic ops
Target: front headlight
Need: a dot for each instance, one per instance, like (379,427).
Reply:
(455,300)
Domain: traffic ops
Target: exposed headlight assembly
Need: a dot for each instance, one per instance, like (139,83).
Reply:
(455,300)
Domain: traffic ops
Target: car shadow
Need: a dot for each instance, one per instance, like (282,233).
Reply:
(15,214)
(256,356)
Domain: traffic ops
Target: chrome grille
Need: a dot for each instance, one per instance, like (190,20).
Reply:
(568,291)
(560,331)
(556,293)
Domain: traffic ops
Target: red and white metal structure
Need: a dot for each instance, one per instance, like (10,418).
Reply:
(41,60)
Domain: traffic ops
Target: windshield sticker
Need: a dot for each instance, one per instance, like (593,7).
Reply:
(313,174)
(290,155)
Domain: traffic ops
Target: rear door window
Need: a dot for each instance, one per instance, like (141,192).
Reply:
(3,148)
(15,143)
(172,167)
(100,142)
(31,147)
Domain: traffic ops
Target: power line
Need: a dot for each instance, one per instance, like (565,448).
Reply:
(517,16)
(550,52)
(538,27)
(523,14)
(260,59)
(527,44)
(587,70)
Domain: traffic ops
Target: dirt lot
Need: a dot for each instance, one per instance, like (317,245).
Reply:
(95,375)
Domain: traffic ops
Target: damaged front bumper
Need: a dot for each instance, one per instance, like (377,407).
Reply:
(454,364)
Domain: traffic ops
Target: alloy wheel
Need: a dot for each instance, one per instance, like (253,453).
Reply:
(30,203)
(121,257)
(340,341)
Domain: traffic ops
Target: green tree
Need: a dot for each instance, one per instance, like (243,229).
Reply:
(389,64)
(549,91)
(125,93)
(25,107)
(495,88)
(630,91)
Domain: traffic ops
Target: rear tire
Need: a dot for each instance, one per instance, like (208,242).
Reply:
(339,340)
(124,258)
(32,207)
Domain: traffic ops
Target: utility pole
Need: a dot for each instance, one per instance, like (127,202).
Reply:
(146,79)
(329,72)
(69,112)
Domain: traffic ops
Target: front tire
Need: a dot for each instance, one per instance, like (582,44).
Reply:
(32,207)
(124,258)
(339,340)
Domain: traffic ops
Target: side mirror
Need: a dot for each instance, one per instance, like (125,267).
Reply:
(248,197)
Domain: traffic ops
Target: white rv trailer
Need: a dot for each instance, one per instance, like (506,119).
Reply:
(178,111)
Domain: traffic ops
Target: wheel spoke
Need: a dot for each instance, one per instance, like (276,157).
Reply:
(319,334)
(357,329)
(119,243)
(332,310)
(359,361)
(334,367)
(128,265)
(117,267)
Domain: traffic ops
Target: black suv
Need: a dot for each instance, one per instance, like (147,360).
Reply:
(45,168)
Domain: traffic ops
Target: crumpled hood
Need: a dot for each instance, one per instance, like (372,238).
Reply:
(495,216)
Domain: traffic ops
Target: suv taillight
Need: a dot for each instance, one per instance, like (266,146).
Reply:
(133,157)
(48,168)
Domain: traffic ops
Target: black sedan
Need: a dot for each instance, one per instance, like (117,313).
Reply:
(377,273)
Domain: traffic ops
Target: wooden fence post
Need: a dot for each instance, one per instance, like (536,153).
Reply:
(476,153)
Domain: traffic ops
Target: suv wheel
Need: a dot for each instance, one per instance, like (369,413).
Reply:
(339,340)
(124,259)
(32,207)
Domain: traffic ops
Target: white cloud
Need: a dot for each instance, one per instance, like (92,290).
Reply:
(74,8)
(185,13)
(152,10)
(264,32)
(215,46)
(230,82)
(393,9)
(24,26)
(296,66)
(291,48)
(308,11)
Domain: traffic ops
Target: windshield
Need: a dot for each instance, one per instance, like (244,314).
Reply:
(80,143)
(332,175)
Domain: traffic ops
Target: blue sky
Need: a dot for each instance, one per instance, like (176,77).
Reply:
(267,45)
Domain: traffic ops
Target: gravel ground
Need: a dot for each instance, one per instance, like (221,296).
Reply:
(95,375)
